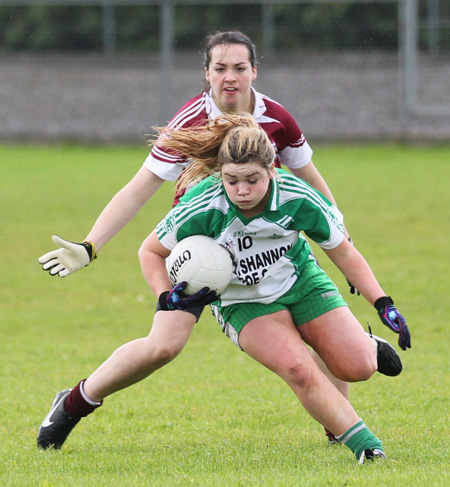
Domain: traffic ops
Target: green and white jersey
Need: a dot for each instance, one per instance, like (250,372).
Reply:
(268,249)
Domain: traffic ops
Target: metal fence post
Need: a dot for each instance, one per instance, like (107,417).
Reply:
(166,61)
(268,28)
(408,56)
(109,29)
(433,25)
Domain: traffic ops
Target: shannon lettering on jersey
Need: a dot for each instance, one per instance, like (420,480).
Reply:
(252,269)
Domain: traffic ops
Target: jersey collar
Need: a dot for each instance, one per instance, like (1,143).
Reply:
(274,201)
(213,111)
(260,106)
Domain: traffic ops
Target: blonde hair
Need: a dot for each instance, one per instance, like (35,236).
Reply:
(235,138)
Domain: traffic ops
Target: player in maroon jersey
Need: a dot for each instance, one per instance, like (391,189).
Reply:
(230,69)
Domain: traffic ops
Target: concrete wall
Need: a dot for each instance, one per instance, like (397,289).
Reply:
(344,97)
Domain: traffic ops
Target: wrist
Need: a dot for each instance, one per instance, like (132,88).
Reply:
(382,302)
(90,249)
(162,300)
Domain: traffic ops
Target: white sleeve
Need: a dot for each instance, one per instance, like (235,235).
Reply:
(296,157)
(160,163)
(336,223)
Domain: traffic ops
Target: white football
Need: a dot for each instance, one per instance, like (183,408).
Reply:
(200,261)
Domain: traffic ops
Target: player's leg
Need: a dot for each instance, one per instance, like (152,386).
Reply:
(129,364)
(136,360)
(341,342)
(313,295)
(274,341)
(342,386)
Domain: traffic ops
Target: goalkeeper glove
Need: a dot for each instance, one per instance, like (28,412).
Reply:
(175,299)
(69,258)
(394,320)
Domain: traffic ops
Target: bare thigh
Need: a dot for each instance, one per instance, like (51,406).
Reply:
(274,341)
(341,342)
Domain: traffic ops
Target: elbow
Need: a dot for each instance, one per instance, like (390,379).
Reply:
(143,255)
(149,260)
(141,252)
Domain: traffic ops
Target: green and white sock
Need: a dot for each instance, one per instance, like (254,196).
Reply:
(359,438)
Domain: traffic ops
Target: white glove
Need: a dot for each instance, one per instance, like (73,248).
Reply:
(70,258)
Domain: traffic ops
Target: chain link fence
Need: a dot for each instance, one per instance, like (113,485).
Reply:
(108,71)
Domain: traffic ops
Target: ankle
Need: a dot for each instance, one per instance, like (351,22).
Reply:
(78,403)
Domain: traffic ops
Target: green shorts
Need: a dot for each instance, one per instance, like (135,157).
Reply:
(312,295)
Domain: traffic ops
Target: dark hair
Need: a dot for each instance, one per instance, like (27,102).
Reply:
(227,38)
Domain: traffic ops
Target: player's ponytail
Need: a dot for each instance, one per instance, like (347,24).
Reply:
(229,138)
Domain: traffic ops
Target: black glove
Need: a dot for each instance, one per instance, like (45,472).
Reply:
(176,300)
(394,320)
(353,289)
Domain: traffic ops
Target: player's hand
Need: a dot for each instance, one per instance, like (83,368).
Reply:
(69,258)
(353,289)
(175,299)
(394,320)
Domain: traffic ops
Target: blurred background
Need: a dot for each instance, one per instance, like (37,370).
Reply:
(107,71)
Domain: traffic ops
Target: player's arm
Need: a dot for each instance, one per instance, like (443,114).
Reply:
(123,206)
(312,176)
(355,268)
(297,155)
(72,256)
(152,255)
(298,158)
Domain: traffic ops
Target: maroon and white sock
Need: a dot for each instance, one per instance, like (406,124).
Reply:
(78,404)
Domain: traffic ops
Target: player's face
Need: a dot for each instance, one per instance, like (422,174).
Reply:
(230,75)
(247,185)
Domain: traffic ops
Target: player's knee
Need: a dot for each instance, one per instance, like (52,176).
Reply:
(360,368)
(144,356)
(162,354)
(366,364)
(302,375)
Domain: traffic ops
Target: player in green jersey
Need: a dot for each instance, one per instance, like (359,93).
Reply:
(288,303)
(274,309)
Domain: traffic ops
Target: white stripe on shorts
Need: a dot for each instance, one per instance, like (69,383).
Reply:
(229,331)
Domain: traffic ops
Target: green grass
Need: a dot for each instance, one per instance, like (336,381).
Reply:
(213,417)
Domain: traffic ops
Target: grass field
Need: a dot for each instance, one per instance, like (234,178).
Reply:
(213,417)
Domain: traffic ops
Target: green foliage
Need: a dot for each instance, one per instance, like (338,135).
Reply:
(205,20)
(337,26)
(76,28)
(43,28)
(136,27)
(316,26)
(213,417)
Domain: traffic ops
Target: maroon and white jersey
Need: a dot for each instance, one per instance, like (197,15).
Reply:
(292,149)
